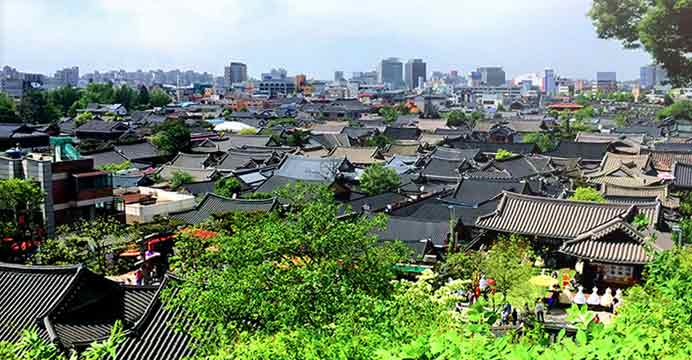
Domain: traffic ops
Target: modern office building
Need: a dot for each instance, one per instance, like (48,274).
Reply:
(67,76)
(339,76)
(235,73)
(549,82)
(390,72)
(415,73)
(652,75)
(606,81)
(492,76)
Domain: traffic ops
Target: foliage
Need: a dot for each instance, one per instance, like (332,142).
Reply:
(282,122)
(458,118)
(297,138)
(379,140)
(100,93)
(509,263)
(8,110)
(159,98)
(389,113)
(678,110)
(503,154)
(35,108)
(620,119)
(587,194)
(258,195)
(300,271)
(461,265)
(641,222)
(227,187)
(248,131)
(660,27)
(143,98)
(20,198)
(84,242)
(63,98)
(115,167)
(543,141)
(83,118)
(31,346)
(172,136)
(180,178)
(377,179)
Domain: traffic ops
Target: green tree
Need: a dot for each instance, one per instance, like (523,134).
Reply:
(97,93)
(389,113)
(258,195)
(379,140)
(227,187)
(509,263)
(8,110)
(542,140)
(587,194)
(64,98)
(83,118)
(143,97)
(159,98)
(20,198)
(503,154)
(126,96)
(172,136)
(115,167)
(458,118)
(84,242)
(35,108)
(302,270)
(678,110)
(180,178)
(377,179)
(461,265)
(660,27)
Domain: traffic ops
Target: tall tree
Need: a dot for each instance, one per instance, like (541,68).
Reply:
(172,136)
(36,109)
(662,27)
(143,96)
(159,98)
(377,179)
(8,110)
(63,98)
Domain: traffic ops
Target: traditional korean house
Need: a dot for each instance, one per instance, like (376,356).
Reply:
(359,156)
(72,307)
(608,239)
(21,135)
(98,129)
(212,204)
(682,173)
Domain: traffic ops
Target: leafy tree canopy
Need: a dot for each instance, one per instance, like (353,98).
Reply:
(159,98)
(377,179)
(678,110)
(64,98)
(180,178)
(227,187)
(8,110)
(542,140)
(587,194)
(115,167)
(662,28)
(172,136)
(35,108)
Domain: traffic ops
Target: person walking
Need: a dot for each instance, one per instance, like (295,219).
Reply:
(539,310)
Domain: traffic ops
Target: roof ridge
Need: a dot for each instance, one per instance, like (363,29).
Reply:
(567,201)
(43,268)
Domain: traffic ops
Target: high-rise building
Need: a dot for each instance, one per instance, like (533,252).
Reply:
(390,72)
(652,75)
(339,76)
(300,81)
(492,75)
(606,81)
(549,83)
(235,73)
(415,73)
(67,76)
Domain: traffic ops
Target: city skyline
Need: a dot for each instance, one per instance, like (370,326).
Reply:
(132,35)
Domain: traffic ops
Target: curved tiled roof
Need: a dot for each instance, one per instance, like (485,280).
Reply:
(214,204)
(596,245)
(191,161)
(554,218)
(27,293)
(683,175)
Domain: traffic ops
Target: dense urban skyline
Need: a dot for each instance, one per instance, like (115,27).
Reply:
(315,38)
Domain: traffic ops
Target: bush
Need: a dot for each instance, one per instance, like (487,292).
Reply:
(503,154)
(377,179)
(179,179)
(588,194)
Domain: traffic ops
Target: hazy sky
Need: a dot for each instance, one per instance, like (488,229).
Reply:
(315,37)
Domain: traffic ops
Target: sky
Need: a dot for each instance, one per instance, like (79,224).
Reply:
(314,37)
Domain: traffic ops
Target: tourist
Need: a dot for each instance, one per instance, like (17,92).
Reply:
(514,316)
(539,311)
(139,277)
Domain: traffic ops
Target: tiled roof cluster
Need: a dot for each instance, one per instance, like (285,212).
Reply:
(213,204)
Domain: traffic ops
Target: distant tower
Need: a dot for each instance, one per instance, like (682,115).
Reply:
(178,91)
